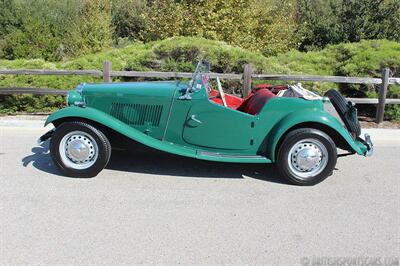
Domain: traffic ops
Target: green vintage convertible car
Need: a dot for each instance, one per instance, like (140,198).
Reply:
(292,127)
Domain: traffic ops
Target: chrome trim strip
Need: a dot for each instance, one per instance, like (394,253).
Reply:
(239,156)
(171,105)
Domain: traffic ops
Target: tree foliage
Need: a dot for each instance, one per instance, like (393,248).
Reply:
(62,29)
(180,53)
(56,30)
(323,22)
(91,30)
(9,17)
(266,26)
(127,19)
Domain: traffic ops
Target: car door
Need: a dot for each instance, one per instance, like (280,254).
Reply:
(211,125)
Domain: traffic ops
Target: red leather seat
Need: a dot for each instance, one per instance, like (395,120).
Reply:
(231,100)
(255,101)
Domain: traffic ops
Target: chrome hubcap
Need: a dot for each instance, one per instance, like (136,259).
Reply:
(78,150)
(307,158)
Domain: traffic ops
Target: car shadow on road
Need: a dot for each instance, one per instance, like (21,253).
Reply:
(150,161)
(40,159)
(160,163)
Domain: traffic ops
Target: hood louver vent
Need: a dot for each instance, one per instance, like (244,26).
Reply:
(137,114)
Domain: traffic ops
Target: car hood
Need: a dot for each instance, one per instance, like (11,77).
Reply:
(156,88)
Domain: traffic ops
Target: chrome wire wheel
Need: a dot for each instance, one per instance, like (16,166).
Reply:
(307,158)
(78,150)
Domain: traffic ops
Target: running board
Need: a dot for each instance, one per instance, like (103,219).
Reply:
(234,158)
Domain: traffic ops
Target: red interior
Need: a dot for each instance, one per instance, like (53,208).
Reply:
(255,101)
(252,104)
(273,88)
(231,100)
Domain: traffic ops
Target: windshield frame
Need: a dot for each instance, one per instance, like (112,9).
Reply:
(200,79)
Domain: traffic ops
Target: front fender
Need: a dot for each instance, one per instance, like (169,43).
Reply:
(84,112)
(309,116)
(115,124)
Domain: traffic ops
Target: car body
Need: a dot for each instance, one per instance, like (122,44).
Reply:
(188,119)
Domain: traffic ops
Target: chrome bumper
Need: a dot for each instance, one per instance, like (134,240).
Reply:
(370,145)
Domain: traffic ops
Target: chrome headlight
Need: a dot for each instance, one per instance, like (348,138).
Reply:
(79,88)
(73,97)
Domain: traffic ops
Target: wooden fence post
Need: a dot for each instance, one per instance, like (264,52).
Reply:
(248,71)
(106,71)
(380,111)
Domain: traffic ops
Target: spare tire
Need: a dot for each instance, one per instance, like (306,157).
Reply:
(346,111)
(338,101)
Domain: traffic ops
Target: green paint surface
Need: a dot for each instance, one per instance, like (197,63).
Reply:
(153,114)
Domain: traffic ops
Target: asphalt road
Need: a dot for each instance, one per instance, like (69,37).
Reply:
(149,207)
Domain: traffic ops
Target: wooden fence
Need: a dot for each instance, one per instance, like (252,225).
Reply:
(247,77)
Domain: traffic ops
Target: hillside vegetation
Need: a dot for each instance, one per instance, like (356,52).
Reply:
(58,30)
(275,36)
(365,58)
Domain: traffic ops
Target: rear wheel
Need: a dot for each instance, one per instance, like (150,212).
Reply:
(79,149)
(306,157)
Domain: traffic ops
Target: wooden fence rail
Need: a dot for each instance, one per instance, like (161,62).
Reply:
(36,91)
(51,72)
(154,74)
(107,74)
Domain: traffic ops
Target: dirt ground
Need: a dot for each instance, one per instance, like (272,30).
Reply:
(368,122)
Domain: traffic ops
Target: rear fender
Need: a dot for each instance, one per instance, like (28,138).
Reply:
(120,127)
(308,116)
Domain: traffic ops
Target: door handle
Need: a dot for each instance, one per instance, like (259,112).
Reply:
(193,117)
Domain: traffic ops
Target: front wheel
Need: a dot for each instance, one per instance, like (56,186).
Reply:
(306,156)
(79,149)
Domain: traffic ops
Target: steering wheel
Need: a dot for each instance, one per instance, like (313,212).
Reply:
(221,92)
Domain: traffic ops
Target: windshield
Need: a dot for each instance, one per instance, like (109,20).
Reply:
(200,77)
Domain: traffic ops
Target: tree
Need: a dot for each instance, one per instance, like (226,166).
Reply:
(91,31)
(9,17)
(35,41)
(62,29)
(266,26)
(273,28)
(165,19)
(318,25)
(370,19)
(334,21)
(127,19)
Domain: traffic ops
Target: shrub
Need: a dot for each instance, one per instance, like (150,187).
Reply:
(180,54)
(9,17)
(267,27)
(91,30)
(61,30)
(36,41)
(127,19)
(346,21)
(31,104)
